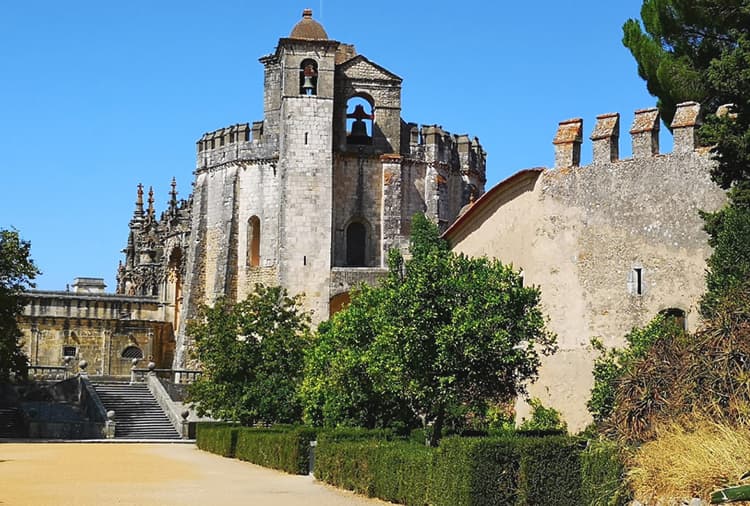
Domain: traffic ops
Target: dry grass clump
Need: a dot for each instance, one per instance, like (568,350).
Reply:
(690,459)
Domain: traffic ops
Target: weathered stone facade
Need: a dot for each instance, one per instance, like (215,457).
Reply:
(314,195)
(610,244)
(106,330)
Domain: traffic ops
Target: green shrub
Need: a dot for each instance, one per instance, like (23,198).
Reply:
(284,448)
(340,434)
(550,471)
(219,438)
(543,419)
(603,475)
(475,471)
(391,470)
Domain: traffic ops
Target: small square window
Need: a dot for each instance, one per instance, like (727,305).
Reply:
(69,351)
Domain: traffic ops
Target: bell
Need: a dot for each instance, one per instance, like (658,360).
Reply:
(359,129)
(308,86)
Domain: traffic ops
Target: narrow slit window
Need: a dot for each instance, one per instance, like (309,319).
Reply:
(638,274)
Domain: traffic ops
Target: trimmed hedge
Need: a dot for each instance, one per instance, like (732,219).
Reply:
(475,471)
(602,475)
(219,438)
(550,471)
(339,434)
(286,448)
(500,471)
(395,471)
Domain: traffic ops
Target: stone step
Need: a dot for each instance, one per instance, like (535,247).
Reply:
(137,413)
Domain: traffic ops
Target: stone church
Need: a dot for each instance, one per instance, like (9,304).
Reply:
(311,197)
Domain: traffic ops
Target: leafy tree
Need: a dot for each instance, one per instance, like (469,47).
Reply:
(338,389)
(252,354)
(700,50)
(17,270)
(441,330)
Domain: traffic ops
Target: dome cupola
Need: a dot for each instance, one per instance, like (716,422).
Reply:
(308,28)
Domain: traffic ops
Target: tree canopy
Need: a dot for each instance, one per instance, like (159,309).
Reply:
(252,355)
(17,271)
(440,330)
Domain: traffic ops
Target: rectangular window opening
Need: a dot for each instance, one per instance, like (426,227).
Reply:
(69,351)
(638,271)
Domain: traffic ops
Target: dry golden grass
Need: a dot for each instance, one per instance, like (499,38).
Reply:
(690,459)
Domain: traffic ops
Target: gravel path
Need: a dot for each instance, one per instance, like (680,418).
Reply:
(84,474)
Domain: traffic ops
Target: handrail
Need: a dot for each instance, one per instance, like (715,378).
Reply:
(179,376)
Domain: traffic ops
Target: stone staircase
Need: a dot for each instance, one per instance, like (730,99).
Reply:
(137,413)
(10,422)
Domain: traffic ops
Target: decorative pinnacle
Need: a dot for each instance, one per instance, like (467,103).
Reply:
(139,201)
(151,200)
(173,194)
(307,13)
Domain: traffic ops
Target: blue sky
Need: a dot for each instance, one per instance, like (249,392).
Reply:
(96,97)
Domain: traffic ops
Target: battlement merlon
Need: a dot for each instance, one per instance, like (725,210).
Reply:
(433,144)
(644,134)
(236,142)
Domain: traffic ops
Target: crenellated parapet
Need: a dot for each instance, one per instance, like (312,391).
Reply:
(644,133)
(434,145)
(242,141)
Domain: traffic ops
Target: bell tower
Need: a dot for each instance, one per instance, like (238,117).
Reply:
(306,61)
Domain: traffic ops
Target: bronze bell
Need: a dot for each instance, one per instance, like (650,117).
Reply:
(308,85)
(359,129)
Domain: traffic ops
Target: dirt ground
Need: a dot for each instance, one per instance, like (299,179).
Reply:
(39,474)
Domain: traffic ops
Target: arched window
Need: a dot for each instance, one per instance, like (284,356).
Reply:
(676,315)
(132,352)
(359,120)
(253,241)
(356,241)
(308,77)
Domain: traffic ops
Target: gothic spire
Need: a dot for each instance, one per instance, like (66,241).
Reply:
(173,195)
(139,203)
(151,201)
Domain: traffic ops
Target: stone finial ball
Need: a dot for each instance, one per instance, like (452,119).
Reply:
(134,362)
(185,414)
(151,366)
(83,364)
(110,415)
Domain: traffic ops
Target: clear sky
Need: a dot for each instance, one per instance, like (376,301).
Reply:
(98,96)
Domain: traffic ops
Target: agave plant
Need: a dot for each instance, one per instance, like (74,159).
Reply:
(732,494)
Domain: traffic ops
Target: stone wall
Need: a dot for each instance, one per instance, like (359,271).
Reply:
(97,328)
(580,233)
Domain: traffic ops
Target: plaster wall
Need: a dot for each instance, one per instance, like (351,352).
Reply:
(578,233)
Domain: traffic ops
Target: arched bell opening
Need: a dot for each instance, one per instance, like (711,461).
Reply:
(359,120)
(308,77)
